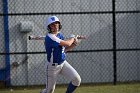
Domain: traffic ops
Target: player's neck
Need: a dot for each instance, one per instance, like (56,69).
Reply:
(54,32)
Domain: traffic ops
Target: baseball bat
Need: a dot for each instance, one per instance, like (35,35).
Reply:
(33,37)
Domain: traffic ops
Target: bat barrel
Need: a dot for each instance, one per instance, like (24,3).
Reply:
(36,37)
(31,37)
(81,37)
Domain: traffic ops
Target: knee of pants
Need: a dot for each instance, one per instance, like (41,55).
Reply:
(76,81)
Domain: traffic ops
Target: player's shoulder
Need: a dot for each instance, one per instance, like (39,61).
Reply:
(60,35)
(48,36)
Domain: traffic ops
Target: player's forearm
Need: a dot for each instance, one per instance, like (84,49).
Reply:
(69,48)
(67,43)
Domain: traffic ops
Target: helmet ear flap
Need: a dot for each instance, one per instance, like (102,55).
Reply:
(49,30)
(60,26)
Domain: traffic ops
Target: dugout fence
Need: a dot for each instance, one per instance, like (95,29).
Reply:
(110,54)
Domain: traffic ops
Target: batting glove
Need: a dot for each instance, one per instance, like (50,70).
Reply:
(76,40)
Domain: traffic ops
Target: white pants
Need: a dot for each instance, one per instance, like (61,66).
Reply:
(64,69)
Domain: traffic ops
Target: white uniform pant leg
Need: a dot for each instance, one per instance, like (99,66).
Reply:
(69,72)
(52,74)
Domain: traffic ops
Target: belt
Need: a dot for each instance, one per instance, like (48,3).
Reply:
(55,64)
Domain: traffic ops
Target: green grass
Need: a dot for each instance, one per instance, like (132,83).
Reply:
(121,88)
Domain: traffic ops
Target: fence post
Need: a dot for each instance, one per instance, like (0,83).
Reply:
(114,42)
(6,38)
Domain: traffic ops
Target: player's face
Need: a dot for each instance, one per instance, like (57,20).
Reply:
(54,26)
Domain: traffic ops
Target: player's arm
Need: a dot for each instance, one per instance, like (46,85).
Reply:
(61,42)
(69,48)
(66,43)
(69,42)
(75,43)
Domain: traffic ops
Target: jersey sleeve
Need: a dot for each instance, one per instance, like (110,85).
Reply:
(54,38)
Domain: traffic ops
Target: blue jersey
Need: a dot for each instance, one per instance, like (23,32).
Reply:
(55,52)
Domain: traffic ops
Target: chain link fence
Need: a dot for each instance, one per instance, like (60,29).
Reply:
(110,54)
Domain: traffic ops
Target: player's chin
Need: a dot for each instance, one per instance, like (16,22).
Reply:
(55,30)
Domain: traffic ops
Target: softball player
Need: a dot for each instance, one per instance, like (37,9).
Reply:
(56,47)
